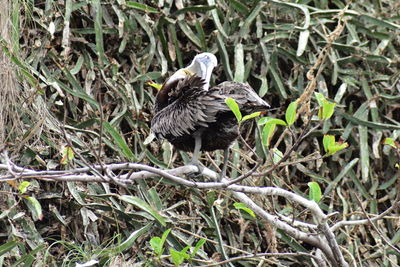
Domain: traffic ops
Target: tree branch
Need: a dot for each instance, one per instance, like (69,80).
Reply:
(330,248)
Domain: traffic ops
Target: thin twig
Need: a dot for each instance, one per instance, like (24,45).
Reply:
(261,255)
(384,238)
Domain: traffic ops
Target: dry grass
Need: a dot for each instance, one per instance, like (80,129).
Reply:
(10,122)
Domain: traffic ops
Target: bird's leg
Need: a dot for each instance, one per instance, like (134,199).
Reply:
(196,152)
(225,166)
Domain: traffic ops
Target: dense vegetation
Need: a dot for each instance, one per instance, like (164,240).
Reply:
(75,93)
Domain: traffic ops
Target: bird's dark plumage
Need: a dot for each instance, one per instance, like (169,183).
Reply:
(184,109)
(195,118)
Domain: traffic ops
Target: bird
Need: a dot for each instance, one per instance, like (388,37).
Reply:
(194,117)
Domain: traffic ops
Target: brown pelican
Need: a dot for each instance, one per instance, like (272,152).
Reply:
(194,117)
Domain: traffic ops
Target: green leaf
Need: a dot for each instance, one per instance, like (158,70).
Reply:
(315,191)
(124,148)
(290,115)
(277,122)
(244,30)
(328,141)
(199,244)
(375,125)
(151,48)
(22,187)
(7,247)
(99,31)
(242,206)
(28,259)
(250,116)
(164,236)
(189,32)
(141,7)
(240,7)
(269,120)
(332,149)
(216,19)
(223,52)
(185,249)
(276,75)
(78,65)
(148,76)
(155,243)
(144,206)
(178,256)
(34,207)
(303,39)
(128,243)
(67,154)
(327,109)
(320,98)
(267,133)
(320,113)
(77,90)
(231,103)
(239,63)
(277,155)
(198,8)
(389,141)
(263,120)
(303,8)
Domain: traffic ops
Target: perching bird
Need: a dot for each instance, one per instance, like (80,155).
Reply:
(194,117)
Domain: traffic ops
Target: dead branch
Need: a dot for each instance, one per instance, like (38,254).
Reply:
(324,241)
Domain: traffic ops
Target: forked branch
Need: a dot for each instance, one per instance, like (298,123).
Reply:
(324,241)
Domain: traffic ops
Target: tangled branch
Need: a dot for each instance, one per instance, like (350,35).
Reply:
(319,235)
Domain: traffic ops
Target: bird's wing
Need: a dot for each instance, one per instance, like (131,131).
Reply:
(193,108)
(247,99)
(197,108)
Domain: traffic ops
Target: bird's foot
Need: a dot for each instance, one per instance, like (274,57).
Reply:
(221,176)
(199,172)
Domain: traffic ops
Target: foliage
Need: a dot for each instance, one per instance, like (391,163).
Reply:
(81,69)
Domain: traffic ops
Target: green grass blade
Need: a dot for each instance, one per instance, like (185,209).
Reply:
(216,19)
(98,21)
(141,7)
(189,33)
(239,63)
(303,40)
(198,8)
(144,206)
(8,246)
(276,77)
(127,243)
(364,152)
(244,30)
(224,56)
(119,141)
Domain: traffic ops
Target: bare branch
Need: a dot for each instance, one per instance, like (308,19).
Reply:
(262,255)
(330,248)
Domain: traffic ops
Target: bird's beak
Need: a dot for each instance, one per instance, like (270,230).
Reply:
(203,65)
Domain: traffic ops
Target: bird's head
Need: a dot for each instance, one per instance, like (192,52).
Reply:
(202,66)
